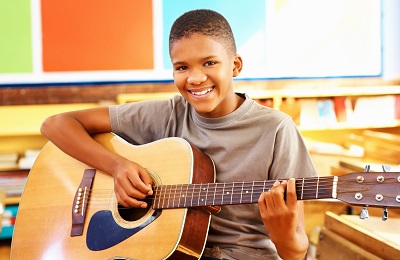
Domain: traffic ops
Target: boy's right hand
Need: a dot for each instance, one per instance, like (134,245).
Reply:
(132,183)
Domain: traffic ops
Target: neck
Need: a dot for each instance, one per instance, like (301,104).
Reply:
(230,193)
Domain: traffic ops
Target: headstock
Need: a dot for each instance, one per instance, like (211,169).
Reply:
(375,189)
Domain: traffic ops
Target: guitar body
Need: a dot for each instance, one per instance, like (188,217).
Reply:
(44,220)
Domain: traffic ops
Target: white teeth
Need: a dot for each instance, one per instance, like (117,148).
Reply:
(201,92)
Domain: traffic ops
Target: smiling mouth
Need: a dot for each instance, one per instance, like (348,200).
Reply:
(201,93)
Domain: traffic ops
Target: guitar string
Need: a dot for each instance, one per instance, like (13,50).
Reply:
(169,194)
(215,189)
(105,195)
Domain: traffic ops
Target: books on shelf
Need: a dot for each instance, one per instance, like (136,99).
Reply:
(363,111)
(12,182)
(29,158)
(317,112)
(334,149)
(13,161)
(376,110)
(9,160)
(343,108)
(8,221)
(14,171)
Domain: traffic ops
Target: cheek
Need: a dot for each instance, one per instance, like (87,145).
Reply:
(179,80)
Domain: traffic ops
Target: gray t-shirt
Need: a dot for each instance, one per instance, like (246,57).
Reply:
(254,142)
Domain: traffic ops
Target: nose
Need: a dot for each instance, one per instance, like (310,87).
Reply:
(196,77)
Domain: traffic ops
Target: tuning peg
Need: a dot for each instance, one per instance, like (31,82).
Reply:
(367,168)
(364,213)
(386,168)
(385,214)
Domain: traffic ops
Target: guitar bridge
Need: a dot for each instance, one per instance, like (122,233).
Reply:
(79,206)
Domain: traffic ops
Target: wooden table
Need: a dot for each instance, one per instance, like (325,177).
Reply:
(349,237)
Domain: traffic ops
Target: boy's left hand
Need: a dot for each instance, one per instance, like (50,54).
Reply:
(279,215)
(284,222)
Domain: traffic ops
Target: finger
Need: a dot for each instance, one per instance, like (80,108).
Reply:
(127,201)
(278,193)
(261,202)
(268,196)
(291,197)
(148,181)
(142,188)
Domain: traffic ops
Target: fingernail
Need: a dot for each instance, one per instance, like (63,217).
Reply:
(150,191)
(276,183)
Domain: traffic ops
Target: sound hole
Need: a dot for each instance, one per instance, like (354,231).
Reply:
(133,214)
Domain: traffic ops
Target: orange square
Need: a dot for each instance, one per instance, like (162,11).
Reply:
(95,35)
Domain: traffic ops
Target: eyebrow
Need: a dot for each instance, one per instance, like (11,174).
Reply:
(205,58)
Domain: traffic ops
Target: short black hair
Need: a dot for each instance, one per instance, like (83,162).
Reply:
(205,22)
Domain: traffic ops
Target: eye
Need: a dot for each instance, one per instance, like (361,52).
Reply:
(181,68)
(209,63)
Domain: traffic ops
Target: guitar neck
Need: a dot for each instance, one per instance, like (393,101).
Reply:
(230,193)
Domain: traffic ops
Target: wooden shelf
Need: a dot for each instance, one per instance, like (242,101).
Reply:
(21,124)
(26,120)
(323,92)
(277,95)
(349,125)
(12,200)
(136,97)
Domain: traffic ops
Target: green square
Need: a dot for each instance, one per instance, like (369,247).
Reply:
(15,36)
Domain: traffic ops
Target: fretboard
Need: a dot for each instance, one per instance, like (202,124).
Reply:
(247,192)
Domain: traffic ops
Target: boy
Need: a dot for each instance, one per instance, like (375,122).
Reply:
(246,141)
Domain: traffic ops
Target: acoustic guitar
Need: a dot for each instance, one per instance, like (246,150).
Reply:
(69,211)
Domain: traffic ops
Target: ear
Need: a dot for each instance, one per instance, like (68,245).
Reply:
(237,65)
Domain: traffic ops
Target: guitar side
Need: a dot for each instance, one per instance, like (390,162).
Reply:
(43,225)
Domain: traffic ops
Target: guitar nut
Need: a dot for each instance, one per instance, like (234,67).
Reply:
(358,196)
(379,197)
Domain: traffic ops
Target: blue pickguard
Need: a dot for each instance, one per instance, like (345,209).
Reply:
(103,232)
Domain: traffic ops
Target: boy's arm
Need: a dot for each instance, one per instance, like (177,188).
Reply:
(284,220)
(71,133)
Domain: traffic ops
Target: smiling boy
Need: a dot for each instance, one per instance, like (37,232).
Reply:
(246,141)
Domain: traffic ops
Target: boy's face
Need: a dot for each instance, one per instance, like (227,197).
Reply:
(203,72)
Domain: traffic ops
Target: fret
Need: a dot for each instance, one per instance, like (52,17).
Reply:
(171,196)
(316,192)
(180,195)
(163,195)
(227,194)
(159,197)
(241,192)
(199,196)
(233,186)
(191,200)
(215,191)
(252,190)
(206,201)
(187,188)
(334,187)
(222,195)
(154,206)
(201,199)
(246,196)
(167,196)
(302,189)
